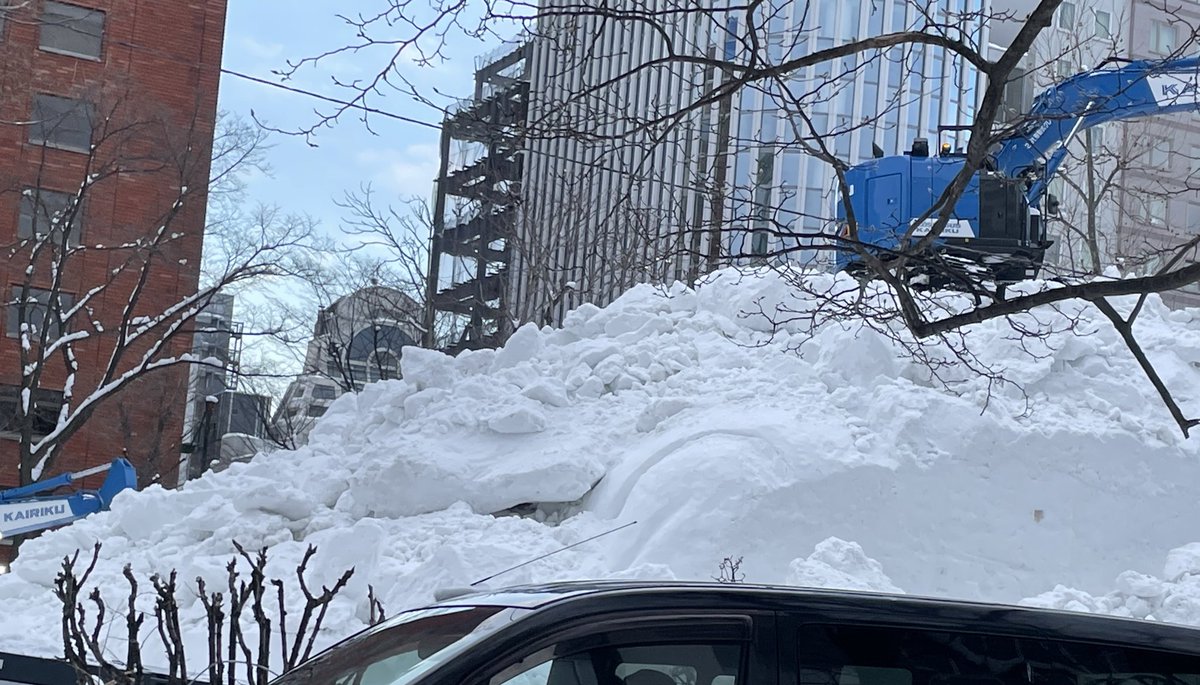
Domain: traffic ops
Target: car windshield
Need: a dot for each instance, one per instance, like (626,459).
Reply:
(399,650)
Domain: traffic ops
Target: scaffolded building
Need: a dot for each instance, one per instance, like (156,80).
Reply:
(475,208)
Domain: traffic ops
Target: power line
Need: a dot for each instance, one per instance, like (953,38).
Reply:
(539,153)
(326,98)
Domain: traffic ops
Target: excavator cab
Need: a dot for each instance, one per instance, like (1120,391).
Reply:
(993,232)
(996,228)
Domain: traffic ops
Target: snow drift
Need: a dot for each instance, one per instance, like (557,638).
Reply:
(721,434)
(1175,597)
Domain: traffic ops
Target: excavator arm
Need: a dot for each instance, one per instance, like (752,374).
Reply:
(996,229)
(1133,90)
(26,509)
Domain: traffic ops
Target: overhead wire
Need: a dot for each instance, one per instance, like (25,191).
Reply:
(326,98)
(542,153)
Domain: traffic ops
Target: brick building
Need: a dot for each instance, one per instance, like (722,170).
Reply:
(107,111)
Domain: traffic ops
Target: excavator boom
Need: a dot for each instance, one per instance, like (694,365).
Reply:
(25,510)
(1134,90)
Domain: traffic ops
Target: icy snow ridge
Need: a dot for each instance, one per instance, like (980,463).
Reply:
(722,435)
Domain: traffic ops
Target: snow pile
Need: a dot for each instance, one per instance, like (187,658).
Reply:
(1174,598)
(839,564)
(722,433)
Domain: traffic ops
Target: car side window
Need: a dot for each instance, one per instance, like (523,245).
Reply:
(1053,662)
(872,655)
(628,664)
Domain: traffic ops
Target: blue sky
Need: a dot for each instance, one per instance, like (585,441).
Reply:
(399,160)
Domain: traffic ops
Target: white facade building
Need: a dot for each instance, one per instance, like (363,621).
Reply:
(884,98)
(358,339)
(631,175)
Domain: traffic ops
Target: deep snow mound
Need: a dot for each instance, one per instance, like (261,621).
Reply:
(1174,597)
(722,432)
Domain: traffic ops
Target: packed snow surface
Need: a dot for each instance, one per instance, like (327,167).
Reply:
(723,433)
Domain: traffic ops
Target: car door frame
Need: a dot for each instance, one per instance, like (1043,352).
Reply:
(760,664)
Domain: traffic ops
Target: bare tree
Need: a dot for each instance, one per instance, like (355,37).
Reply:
(243,621)
(395,241)
(644,109)
(69,257)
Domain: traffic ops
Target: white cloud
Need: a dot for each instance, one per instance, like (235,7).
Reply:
(259,49)
(406,171)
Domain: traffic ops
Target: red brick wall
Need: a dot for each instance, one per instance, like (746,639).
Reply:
(157,79)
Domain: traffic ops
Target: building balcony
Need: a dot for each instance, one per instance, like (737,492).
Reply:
(491,119)
(472,296)
(477,180)
(474,237)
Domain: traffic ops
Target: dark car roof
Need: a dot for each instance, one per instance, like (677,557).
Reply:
(840,605)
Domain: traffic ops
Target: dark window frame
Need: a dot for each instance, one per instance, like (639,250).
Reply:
(12,322)
(27,224)
(46,406)
(55,22)
(45,127)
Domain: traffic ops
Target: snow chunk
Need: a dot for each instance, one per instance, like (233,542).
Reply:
(1141,585)
(548,391)
(1182,561)
(836,563)
(522,345)
(426,368)
(521,419)
(658,411)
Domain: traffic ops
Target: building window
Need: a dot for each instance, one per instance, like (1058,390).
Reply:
(1096,138)
(43,415)
(61,122)
(764,179)
(323,392)
(731,39)
(1160,153)
(72,30)
(1062,69)
(1156,211)
(1162,37)
(1103,24)
(43,212)
(316,411)
(1066,15)
(37,313)
(381,365)
(1018,96)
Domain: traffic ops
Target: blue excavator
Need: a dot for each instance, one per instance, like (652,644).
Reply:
(996,230)
(34,507)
